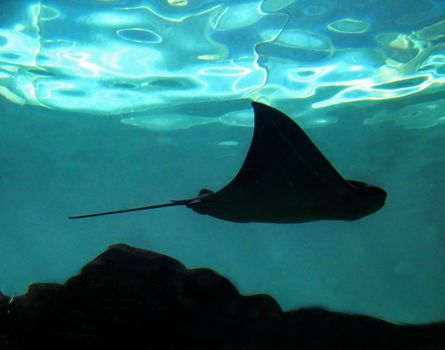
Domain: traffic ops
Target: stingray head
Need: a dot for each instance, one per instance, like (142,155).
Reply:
(370,198)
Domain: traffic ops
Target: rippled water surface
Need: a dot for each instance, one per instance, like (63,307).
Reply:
(113,104)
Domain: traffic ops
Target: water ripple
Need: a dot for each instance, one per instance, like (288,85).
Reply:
(139,55)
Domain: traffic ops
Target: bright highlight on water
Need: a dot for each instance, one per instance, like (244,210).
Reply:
(139,56)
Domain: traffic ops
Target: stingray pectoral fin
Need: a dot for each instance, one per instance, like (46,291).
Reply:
(173,203)
(284,178)
(283,163)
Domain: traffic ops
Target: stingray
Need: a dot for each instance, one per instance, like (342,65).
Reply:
(284,179)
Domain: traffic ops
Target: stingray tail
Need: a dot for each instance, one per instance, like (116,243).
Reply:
(173,203)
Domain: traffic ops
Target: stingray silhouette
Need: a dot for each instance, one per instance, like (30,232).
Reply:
(284,179)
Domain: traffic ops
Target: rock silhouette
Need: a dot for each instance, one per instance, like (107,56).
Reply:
(128,298)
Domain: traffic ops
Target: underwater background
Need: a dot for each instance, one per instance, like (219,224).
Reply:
(116,104)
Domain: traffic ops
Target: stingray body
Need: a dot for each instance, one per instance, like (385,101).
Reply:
(284,179)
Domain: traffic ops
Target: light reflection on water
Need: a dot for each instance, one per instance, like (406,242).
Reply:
(264,50)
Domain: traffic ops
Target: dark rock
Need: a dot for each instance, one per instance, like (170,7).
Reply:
(128,297)
(4,300)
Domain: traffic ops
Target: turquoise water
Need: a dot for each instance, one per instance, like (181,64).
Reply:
(115,104)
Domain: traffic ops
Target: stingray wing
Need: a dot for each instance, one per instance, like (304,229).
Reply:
(282,164)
